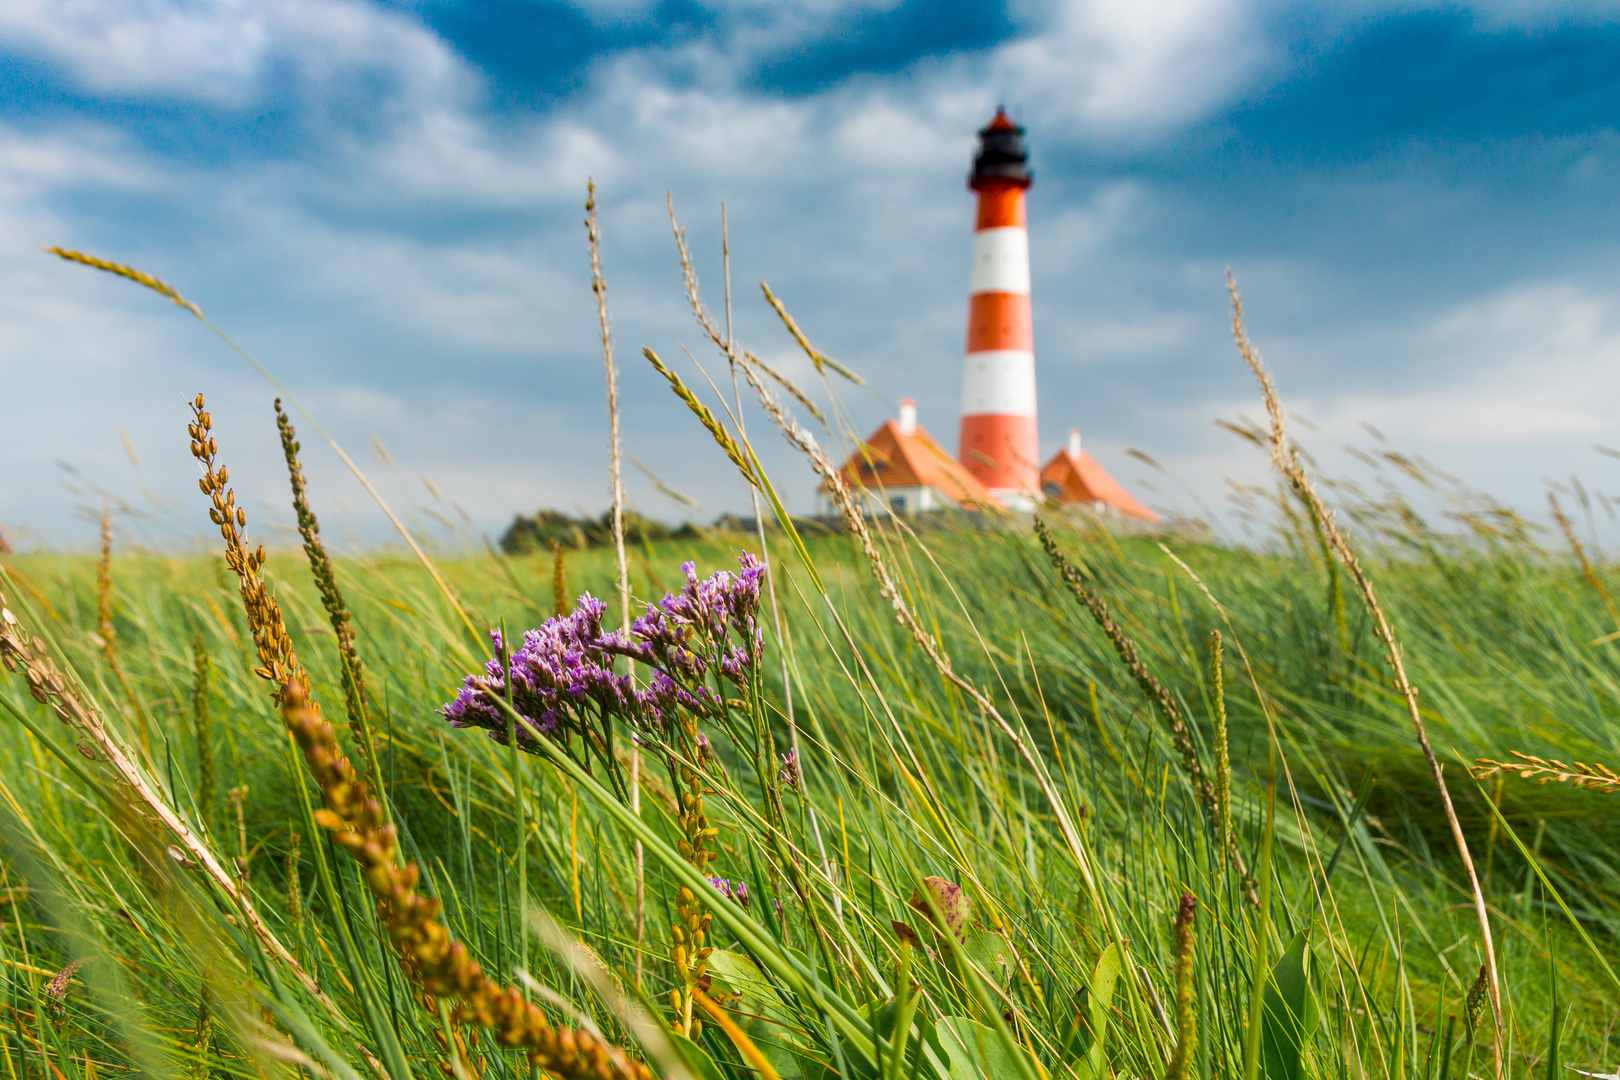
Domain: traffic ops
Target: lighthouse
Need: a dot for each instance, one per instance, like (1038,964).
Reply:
(999,443)
(902,469)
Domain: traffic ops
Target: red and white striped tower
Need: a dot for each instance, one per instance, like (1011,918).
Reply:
(999,444)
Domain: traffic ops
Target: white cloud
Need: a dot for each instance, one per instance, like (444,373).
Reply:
(1534,365)
(1127,68)
(218,50)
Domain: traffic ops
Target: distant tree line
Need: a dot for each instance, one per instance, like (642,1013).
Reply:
(538,531)
(535,532)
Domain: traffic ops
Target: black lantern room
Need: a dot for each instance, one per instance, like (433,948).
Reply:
(1002,158)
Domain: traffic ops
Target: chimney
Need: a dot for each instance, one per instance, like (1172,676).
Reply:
(908,416)
(1074,443)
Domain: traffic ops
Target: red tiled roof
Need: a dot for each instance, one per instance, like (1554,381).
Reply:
(1001,121)
(1072,479)
(892,459)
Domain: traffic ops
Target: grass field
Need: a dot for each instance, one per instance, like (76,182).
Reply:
(902,780)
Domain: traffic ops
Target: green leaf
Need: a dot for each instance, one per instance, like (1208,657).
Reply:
(972,1051)
(760,1012)
(993,954)
(1289,1017)
(1099,998)
(697,1059)
(733,973)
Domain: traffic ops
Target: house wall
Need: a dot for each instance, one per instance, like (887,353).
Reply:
(904,500)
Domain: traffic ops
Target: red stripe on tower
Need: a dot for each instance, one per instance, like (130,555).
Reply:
(999,443)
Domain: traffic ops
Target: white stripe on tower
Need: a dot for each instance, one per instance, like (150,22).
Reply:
(1000,260)
(999,381)
(999,439)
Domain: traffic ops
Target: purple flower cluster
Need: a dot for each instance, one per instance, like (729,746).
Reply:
(789,773)
(737,892)
(563,678)
(690,633)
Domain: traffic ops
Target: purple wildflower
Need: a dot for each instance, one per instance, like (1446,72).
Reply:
(790,774)
(562,678)
(56,992)
(737,893)
(57,988)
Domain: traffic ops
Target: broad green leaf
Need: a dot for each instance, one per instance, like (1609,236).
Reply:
(972,1051)
(697,1059)
(993,954)
(761,1013)
(1289,1017)
(1099,999)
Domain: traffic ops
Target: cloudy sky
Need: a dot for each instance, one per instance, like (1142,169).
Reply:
(382,201)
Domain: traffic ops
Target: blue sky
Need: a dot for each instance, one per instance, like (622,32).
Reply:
(383,202)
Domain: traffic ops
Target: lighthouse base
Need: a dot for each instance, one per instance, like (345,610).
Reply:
(1001,451)
(1017,500)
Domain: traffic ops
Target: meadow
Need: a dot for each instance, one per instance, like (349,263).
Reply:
(1009,801)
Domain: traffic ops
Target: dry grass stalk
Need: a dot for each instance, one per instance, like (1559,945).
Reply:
(616,480)
(559,582)
(202,731)
(140,277)
(237,797)
(161,287)
(1164,702)
(849,508)
(105,629)
(355,694)
(787,384)
(747,362)
(1537,770)
(1181,1061)
(727,344)
(1287,459)
(1223,752)
(1587,568)
(694,298)
(817,357)
(720,435)
(295,888)
(278,663)
(353,815)
(23,652)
